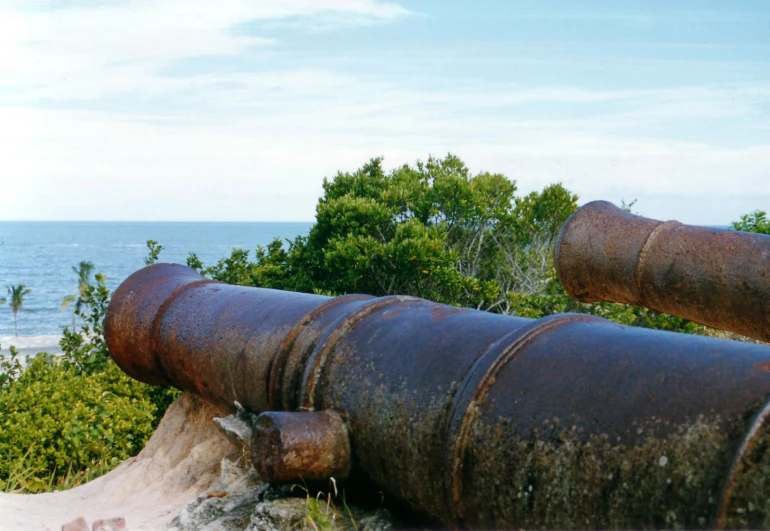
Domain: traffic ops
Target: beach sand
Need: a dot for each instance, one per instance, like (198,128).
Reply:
(31,345)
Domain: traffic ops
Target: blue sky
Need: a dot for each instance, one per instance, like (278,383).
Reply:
(236,110)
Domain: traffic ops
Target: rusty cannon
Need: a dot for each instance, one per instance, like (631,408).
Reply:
(719,278)
(476,419)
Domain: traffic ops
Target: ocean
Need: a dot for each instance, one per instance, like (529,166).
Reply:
(41,255)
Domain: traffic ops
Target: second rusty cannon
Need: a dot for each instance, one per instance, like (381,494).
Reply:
(716,277)
(476,419)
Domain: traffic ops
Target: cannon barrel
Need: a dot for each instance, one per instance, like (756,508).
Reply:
(719,278)
(479,420)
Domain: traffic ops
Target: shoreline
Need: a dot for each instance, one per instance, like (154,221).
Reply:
(31,345)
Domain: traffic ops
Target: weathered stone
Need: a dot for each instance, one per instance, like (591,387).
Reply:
(226,506)
(79,524)
(312,514)
(109,524)
(238,426)
(226,513)
(279,515)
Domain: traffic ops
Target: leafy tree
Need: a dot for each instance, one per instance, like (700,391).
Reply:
(524,260)
(433,230)
(16,301)
(233,270)
(83,272)
(754,222)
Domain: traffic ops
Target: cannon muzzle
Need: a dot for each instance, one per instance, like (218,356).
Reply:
(719,278)
(479,420)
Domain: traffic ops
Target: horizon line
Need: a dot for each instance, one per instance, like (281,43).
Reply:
(145,221)
(728,225)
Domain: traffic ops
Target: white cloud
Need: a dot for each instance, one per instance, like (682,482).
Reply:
(269,165)
(90,51)
(256,145)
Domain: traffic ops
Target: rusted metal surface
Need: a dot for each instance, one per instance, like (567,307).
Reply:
(300,447)
(479,420)
(719,278)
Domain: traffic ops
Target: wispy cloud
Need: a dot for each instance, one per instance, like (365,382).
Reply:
(91,50)
(173,110)
(322,122)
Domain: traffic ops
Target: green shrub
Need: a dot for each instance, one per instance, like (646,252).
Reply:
(56,419)
(65,419)
(85,352)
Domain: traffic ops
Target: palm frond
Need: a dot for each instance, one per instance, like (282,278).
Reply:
(66,301)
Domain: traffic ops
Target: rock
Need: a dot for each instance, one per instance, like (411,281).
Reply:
(279,515)
(381,521)
(225,510)
(238,426)
(313,514)
(79,524)
(226,513)
(233,473)
(228,505)
(110,524)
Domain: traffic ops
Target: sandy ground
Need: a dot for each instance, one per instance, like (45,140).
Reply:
(31,345)
(181,461)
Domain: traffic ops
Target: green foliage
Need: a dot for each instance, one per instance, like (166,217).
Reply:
(66,419)
(320,515)
(754,222)
(194,262)
(85,349)
(10,367)
(329,510)
(432,230)
(154,251)
(234,270)
(555,300)
(55,419)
